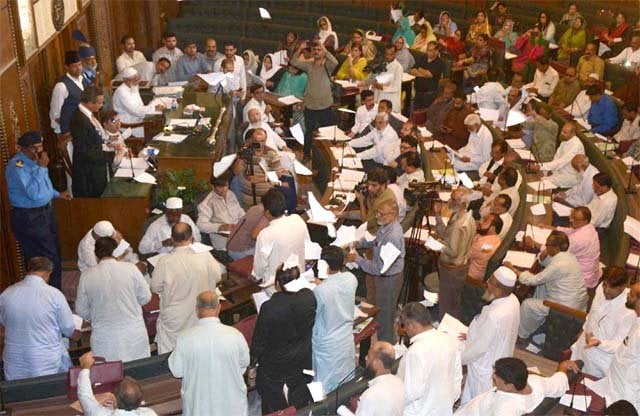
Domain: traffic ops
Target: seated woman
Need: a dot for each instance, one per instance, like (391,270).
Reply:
(368,47)
(547,27)
(530,46)
(270,74)
(445,27)
(571,15)
(453,45)
(293,82)
(507,35)
(479,26)
(326,35)
(353,67)
(289,46)
(251,63)
(403,56)
(617,37)
(404,30)
(423,38)
(572,43)
(476,62)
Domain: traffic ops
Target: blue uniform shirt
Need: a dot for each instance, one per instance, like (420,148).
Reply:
(28,183)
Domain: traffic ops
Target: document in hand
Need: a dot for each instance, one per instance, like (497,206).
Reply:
(452,326)
(289,100)
(430,298)
(299,284)
(388,253)
(301,169)
(520,259)
(297,133)
(319,214)
(316,390)
(122,247)
(433,244)
(223,164)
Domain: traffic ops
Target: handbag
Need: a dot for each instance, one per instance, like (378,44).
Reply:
(105,377)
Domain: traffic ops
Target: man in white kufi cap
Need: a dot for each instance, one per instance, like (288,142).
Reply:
(492,334)
(87,257)
(478,148)
(128,103)
(157,238)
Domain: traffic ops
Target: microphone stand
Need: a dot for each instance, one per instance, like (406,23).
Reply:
(343,382)
(133,172)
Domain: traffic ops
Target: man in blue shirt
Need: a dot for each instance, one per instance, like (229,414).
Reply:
(603,114)
(35,317)
(191,63)
(30,193)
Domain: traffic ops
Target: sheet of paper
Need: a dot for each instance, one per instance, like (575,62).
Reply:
(515,117)
(632,227)
(289,100)
(156,211)
(172,138)
(388,253)
(532,348)
(126,173)
(77,322)
(508,55)
(561,209)
(538,209)
(599,387)
(430,297)
(516,143)
(136,162)
(489,114)
(301,169)
(264,13)
(452,152)
(351,162)
(352,175)
(318,212)
(520,259)
(339,152)
(154,259)
(299,284)
(525,154)
(534,370)
(259,298)
(345,235)
(198,247)
(345,83)
(433,244)
(272,176)
(603,48)
(183,122)
(297,133)
(629,161)
(542,185)
(407,77)
(168,90)
(328,133)
(212,78)
(633,260)
(312,250)
(452,326)
(223,164)
(580,402)
(122,247)
(316,390)
(145,177)
(466,181)
(424,132)
(538,234)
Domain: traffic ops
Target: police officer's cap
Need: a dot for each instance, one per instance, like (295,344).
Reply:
(30,138)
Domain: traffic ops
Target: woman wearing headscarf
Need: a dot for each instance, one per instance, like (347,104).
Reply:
(479,26)
(368,47)
(290,45)
(403,56)
(353,67)
(572,41)
(404,30)
(270,74)
(530,46)
(445,27)
(423,38)
(507,35)
(326,34)
(620,31)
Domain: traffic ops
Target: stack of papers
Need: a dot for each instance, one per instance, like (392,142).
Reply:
(538,209)
(388,253)
(346,235)
(289,100)
(538,234)
(520,259)
(516,143)
(452,326)
(171,138)
(329,132)
(560,209)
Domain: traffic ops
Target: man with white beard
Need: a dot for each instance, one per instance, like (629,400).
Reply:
(492,334)
(607,323)
(274,141)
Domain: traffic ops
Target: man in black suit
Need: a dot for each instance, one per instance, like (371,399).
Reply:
(90,162)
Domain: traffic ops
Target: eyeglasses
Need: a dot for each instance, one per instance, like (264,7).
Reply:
(114,121)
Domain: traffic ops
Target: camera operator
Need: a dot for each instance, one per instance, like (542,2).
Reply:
(253,177)
(372,195)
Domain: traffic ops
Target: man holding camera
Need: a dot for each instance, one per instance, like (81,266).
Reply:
(374,194)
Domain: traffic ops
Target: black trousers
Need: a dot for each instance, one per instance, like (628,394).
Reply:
(37,232)
(423,99)
(272,396)
(314,119)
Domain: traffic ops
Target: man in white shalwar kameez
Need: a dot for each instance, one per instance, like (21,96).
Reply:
(623,378)
(178,278)
(478,149)
(561,282)
(86,247)
(332,341)
(607,323)
(157,238)
(274,141)
(516,392)
(128,103)
(430,369)
(563,175)
(219,212)
(285,235)
(492,334)
(111,295)
(211,358)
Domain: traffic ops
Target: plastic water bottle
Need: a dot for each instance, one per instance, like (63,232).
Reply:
(174,104)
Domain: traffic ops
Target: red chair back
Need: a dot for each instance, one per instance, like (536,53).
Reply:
(246,326)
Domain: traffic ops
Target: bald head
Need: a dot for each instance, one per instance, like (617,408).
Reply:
(181,234)
(128,394)
(254,115)
(207,304)
(385,353)
(580,162)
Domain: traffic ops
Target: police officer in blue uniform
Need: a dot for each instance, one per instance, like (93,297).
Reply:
(33,219)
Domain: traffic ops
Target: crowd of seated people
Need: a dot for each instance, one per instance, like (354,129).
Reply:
(248,214)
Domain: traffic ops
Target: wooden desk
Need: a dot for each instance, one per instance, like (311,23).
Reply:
(123,203)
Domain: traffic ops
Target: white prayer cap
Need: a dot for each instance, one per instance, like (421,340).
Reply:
(595,76)
(174,203)
(506,276)
(472,119)
(103,229)
(129,73)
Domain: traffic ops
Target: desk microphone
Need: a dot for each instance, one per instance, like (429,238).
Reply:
(570,411)
(133,172)
(357,370)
